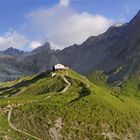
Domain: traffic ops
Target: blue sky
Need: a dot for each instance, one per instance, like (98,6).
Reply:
(33,22)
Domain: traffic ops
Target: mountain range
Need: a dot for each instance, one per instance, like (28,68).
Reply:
(74,105)
(115,52)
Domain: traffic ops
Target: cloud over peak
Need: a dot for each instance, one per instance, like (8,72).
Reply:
(13,39)
(61,25)
(64,26)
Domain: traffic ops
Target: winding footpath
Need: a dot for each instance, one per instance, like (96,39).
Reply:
(87,81)
(68,84)
(16,129)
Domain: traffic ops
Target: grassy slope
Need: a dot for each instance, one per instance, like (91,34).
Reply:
(86,110)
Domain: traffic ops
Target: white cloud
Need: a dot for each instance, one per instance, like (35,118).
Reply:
(64,2)
(13,39)
(17,40)
(60,25)
(64,26)
(35,44)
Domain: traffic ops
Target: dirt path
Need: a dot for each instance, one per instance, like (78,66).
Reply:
(68,84)
(88,86)
(16,129)
(63,90)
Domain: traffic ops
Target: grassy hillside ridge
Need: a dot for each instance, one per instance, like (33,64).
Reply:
(84,111)
(39,84)
(98,77)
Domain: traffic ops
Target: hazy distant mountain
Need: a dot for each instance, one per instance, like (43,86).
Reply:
(37,60)
(12,51)
(116,52)
(8,58)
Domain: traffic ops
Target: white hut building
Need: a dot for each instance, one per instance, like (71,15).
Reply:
(59,67)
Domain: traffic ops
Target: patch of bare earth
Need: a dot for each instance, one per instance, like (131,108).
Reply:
(6,138)
(55,132)
(107,133)
(110,135)
(129,135)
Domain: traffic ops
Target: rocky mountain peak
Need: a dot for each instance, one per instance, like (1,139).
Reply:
(137,15)
(45,47)
(136,20)
(47,44)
